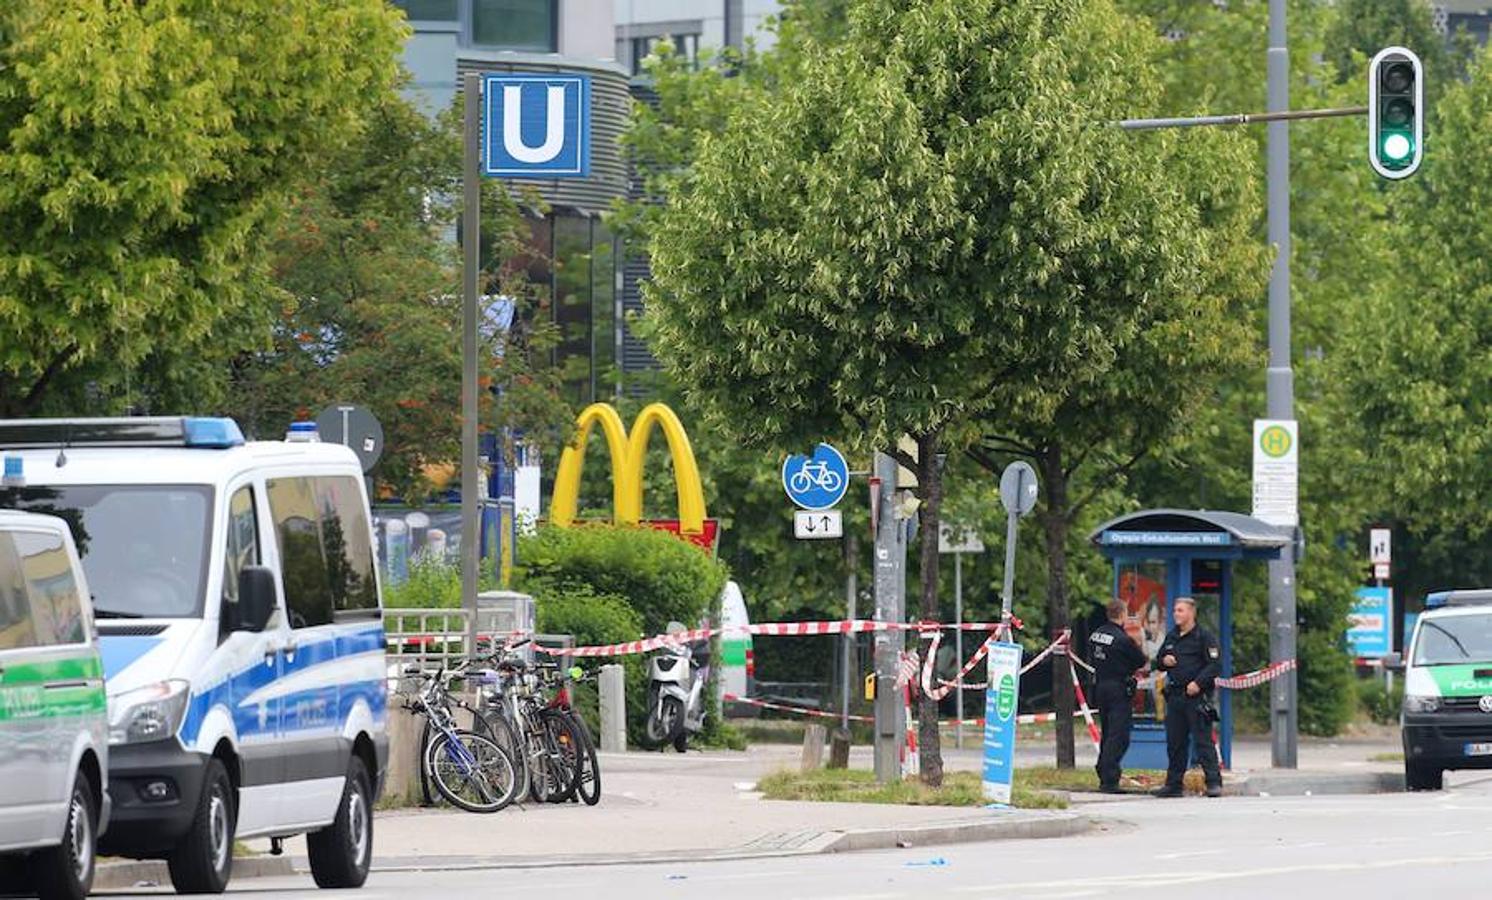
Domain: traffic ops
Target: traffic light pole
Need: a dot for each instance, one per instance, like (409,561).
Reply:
(1288,115)
(1280,378)
(1280,387)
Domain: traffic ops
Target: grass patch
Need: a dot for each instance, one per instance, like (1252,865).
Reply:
(859,786)
(1051,778)
(1386,757)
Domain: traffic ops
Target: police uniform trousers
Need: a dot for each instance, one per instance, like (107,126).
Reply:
(1185,724)
(1113,702)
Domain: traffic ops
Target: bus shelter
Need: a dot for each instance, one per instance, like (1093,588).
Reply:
(1161,554)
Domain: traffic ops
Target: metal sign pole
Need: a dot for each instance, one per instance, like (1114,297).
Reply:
(889,712)
(958,644)
(470,253)
(851,588)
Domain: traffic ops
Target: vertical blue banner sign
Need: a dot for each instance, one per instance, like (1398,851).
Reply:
(1000,701)
(1370,629)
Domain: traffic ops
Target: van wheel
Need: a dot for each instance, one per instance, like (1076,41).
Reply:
(65,872)
(203,862)
(1423,778)
(342,852)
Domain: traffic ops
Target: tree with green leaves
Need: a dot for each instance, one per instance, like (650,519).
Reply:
(144,148)
(1168,359)
(919,227)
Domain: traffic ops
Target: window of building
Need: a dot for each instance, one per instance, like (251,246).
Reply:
(56,607)
(516,24)
(326,549)
(429,10)
(684,45)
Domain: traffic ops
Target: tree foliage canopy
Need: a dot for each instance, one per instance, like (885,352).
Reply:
(929,221)
(143,147)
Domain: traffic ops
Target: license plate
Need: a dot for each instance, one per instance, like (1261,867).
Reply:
(1479,749)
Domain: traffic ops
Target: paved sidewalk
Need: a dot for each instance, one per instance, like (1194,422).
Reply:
(667,806)
(657,805)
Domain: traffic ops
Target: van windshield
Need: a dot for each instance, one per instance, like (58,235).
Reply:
(1453,639)
(144,547)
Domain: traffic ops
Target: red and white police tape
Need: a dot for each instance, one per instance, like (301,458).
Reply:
(782,629)
(1258,676)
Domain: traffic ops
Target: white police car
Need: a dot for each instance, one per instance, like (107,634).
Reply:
(53,732)
(1447,712)
(240,623)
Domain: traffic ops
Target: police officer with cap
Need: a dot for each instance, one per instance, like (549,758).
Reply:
(1189,657)
(1115,657)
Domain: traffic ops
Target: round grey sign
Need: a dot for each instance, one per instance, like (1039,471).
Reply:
(1018,488)
(355,427)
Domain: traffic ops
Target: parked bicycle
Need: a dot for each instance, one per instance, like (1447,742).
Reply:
(470,770)
(553,752)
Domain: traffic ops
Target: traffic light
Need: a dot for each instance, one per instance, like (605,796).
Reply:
(1396,114)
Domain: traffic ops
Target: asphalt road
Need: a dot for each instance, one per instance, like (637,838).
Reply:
(1362,846)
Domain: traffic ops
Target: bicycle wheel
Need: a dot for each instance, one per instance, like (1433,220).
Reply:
(506,736)
(588,784)
(471,771)
(565,756)
(428,794)
(480,725)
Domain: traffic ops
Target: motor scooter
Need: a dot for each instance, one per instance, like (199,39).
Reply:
(676,693)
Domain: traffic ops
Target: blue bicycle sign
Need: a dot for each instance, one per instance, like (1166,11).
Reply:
(818,481)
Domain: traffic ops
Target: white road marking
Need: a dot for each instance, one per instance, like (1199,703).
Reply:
(1162,879)
(1188,853)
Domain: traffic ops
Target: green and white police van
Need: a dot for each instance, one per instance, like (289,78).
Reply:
(53,726)
(240,628)
(1447,713)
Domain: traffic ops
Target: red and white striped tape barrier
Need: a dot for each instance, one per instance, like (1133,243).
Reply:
(1258,676)
(780,629)
(785,707)
(1025,719)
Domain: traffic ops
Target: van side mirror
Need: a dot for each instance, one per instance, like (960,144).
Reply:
(256,598)
(1394,662)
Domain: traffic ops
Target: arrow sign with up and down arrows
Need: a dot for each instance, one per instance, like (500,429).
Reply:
(818,524)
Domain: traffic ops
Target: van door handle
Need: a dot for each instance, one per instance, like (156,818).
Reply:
(290,652)
(269,655)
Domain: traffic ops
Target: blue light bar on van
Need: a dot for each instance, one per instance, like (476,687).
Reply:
(1440,599)
(215,433)
(176,431)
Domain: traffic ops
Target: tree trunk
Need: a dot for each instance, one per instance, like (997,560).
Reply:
(930,490)
(1054,525)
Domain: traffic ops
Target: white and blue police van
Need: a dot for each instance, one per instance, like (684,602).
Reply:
(237,602)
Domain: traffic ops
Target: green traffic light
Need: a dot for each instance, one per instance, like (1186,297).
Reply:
(1397,147)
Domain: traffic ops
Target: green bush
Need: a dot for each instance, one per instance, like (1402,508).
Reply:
(432,584)
(663,578)
(591,617)
(1377,702)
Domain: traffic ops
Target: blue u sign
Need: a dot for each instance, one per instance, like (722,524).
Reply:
(536,125)
(818,481)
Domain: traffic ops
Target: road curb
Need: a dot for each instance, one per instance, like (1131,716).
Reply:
(129,873)
(1018,826)
(1299,784)
(961,833)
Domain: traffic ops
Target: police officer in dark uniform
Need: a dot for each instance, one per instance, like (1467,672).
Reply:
(1189,656)
(1115,657)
